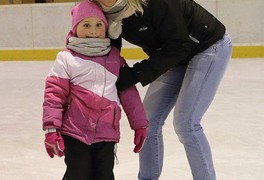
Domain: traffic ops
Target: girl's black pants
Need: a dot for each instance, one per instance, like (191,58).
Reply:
(88,162)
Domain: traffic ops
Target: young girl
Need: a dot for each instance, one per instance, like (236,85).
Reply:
(188,50)
(81,109)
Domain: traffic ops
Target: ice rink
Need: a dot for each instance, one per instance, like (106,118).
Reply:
(234,125)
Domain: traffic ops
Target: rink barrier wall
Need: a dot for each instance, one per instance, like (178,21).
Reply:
(38,31)
(127,53)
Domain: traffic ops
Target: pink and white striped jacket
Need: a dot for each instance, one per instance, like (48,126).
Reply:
(81,99)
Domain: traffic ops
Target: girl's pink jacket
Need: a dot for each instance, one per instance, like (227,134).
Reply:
(81,99)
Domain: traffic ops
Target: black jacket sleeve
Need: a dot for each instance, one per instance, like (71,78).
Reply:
(116,43)
(171,31)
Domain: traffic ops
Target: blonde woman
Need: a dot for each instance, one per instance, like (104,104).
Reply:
(188,50)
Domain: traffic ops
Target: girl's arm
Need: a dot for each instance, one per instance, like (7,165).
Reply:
(131,102)
(56,93)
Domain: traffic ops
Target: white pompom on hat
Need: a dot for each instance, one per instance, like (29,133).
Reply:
(86,9)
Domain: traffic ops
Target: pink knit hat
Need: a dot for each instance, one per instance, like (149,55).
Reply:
(86,9)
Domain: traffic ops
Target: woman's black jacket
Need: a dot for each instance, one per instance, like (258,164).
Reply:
(171,32)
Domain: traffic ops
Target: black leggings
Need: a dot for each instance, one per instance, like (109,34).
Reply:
(88,162)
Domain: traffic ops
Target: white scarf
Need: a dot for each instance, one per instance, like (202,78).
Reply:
(115,14)
(89,46)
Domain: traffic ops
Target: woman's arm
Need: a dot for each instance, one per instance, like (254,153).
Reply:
(167,25)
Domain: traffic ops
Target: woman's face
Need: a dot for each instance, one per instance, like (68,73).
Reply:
(106,3)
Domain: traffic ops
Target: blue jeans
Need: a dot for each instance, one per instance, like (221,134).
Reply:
(190,90)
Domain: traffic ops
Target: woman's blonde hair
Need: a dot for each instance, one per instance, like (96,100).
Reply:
(137,5)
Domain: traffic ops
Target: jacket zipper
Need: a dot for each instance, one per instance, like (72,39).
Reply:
(114,119)
(194,39)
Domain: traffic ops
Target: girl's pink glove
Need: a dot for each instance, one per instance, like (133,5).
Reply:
(139,139)
(54,144)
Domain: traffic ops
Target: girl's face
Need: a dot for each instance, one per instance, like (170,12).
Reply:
(91,27)
(106,3)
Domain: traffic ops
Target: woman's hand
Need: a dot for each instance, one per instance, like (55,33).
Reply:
(126,78)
